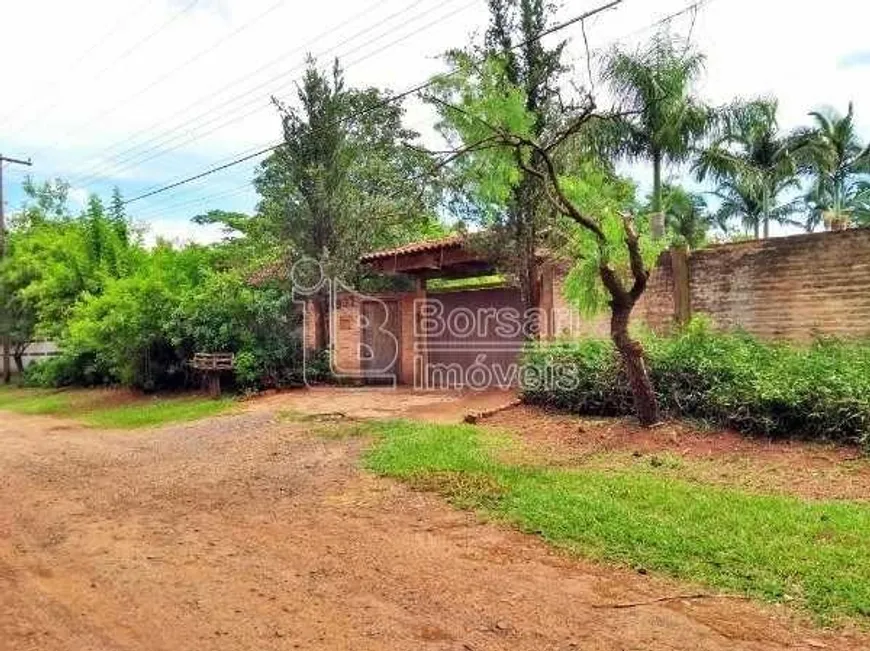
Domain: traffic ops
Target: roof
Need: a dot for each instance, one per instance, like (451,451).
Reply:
(449,242)
(278,270)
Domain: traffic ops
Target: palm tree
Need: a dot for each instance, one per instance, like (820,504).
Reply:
(839,165)
(741,199)
(686,216)
(660,118)
(753,165)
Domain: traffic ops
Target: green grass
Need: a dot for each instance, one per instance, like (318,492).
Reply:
(86,408)
(814,554)
(156,412)
(32,402)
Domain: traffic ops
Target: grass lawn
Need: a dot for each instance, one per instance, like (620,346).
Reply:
(777,548)
(85,407)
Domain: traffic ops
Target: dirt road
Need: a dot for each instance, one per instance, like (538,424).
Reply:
(247,532)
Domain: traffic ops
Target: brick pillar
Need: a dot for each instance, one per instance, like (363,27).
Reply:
(548,302)
(413,342)
(346,347)
(682,288)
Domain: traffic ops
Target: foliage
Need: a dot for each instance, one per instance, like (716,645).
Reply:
(143,328)
(511,81)
(54,259)
(343,183)
(686,217)
(808,553)
(475,99)
(819,392)
(753,166)
(605,198)
(839,166)
(661,119)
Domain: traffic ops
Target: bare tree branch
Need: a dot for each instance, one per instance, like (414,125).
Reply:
(638,269)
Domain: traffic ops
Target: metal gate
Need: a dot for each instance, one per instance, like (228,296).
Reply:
(380,341)
(473,338)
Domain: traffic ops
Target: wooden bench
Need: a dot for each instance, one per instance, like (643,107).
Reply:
(211,365)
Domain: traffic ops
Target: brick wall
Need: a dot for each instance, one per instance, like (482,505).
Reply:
(787,287)
(782,288)
(790,288)
(656,306)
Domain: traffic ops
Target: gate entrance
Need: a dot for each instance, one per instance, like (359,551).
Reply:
(476,339)
(380,352)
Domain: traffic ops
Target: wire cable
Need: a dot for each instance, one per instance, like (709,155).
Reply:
(258,151)
(262,105)
(113,29)
(123,156)
(394,98)
(116,60)
(222,41)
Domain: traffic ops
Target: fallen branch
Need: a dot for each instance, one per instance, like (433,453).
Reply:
(681,597)
(477,416)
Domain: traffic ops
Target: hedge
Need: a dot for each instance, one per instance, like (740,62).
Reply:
(778,390)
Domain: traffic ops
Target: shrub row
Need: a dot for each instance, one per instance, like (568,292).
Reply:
(819,392)
(142,330)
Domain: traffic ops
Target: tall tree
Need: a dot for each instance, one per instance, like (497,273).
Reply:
(343,183)
(118,214)
(587,202)
(754,165)
(513,222)
(686,217)
(838,164)
(661,119)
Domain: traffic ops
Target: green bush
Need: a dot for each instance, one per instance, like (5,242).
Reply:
(820,392)
(142,329)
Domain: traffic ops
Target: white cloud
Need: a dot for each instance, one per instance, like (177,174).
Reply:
(107,76)
(180,232)
(78,197)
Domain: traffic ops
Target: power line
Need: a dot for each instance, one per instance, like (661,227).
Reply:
(195,201)
(116,60)
(127,16)
(394,98)
(122,156)
(175,70)
(168,203)
(260,105)
(262,149)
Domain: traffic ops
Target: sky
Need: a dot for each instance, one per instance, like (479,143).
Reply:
(143,93)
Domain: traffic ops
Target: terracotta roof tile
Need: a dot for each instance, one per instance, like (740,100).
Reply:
(448,242)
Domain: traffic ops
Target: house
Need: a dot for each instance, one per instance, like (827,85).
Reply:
(792,288)
(438,338)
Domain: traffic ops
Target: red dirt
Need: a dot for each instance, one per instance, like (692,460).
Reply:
(812,470)
(247,532)
(385,403)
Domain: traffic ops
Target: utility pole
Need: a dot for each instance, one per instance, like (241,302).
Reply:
(7,369)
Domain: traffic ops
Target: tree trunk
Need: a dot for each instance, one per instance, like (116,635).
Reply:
(657,182)
(766,228)
(19,363)
(522,216)
(645,403)
(7,370)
